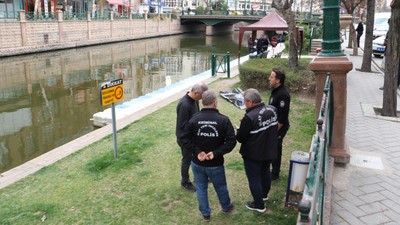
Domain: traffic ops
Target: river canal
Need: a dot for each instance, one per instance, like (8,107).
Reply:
(48,99)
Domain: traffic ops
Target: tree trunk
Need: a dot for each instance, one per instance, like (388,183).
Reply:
(285,8)
(293,45)
(353,39)
(392,61)
(367,57)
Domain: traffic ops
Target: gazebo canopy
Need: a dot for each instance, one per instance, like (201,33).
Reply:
(271,22)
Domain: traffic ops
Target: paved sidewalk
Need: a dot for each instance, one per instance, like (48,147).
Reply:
(367,190)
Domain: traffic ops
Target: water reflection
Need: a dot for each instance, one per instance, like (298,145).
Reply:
(48,99)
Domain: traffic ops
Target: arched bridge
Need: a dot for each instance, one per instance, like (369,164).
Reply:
(215,24)
(211,20)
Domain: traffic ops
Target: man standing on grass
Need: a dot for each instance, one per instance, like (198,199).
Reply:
(258,133)
(187,107)
(280,98)
(209,135)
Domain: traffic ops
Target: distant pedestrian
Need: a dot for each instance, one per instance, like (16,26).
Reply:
(209,135)
(258,133)
(360,31)
(186,108)
(280,98)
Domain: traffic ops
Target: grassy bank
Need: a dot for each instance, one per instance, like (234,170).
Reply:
(142,186)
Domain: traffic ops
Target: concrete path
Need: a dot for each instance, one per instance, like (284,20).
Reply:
(367,190)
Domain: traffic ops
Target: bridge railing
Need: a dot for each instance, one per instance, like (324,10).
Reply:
(311,207)
(228,12)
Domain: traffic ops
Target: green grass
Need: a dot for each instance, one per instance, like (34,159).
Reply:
(142,186)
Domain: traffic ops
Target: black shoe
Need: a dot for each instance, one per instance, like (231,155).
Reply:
(230,209)
(207,218)
(188,186)
(274,177)
(251,206)
(265,198)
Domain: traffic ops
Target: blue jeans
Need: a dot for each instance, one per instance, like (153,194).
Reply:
(259,177)
(218,179)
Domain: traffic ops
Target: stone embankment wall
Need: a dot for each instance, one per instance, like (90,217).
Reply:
(23,37)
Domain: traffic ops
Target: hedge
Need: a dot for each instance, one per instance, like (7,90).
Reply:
(254,73)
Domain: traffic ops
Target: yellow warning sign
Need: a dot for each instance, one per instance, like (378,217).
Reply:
(111,92)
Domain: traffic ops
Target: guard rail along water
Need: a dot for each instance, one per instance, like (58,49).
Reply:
(311,206)
(220,63)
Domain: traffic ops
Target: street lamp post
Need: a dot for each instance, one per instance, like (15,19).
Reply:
(331,45)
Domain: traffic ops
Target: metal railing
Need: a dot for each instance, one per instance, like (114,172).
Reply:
(46,16)
(226,12)
(5,15)
(40,16)
(220,63)
(311,207)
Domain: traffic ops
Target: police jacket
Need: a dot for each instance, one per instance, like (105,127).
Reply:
(280,98)
(185,109)
(258,133)
(209,131)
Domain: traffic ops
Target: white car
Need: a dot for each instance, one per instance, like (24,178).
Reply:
(381,25)
(378,47)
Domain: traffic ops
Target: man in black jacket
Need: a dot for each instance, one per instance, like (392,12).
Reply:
(186,108)
(209,135)
(258,134)
(360,31)
(280,98)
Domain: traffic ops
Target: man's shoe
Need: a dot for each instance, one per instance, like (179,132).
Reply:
(207,218)
(251,206)
(265,199)
(188,186)
(229,210)
(274,177)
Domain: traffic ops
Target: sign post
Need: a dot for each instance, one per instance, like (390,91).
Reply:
(110,93)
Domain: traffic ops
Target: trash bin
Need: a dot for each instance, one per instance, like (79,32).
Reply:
(300,161)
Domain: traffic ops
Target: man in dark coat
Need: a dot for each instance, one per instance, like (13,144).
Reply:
(360,31)
(258,133)
(280,98)
(186,108)
(210,135)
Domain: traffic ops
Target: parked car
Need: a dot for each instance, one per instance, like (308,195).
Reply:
(378,47)
(381,25)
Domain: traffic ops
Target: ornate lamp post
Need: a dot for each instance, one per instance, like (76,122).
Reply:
(332,60)
(331,45)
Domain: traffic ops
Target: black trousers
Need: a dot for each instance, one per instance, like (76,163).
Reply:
(358,39)
(185,163)
(276,164)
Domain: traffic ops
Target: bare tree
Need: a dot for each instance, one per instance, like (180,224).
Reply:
(392,61)
(367,57)
(351,6)
(285,8)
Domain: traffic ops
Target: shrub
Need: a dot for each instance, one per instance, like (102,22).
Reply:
(254,74)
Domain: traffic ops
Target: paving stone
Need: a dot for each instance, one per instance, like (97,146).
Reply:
(371,188)
(393,215)
(374,208)
(351,198)
(390,187)
(373,197)
(368,196)
(392,205)
(348,206)
(390,195)
(375,219)
(350,218)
